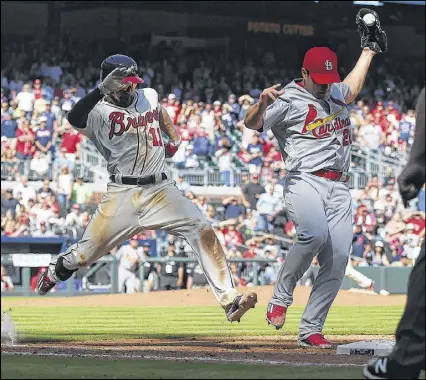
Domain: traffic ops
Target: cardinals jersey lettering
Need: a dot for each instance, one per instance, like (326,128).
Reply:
(313,134)
(128,138)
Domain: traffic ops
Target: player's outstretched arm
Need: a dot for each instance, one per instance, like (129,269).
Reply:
(356,78)
(79,113)
(112,83)
(373,41)
(254,116)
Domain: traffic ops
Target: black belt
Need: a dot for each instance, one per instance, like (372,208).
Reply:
(138,181)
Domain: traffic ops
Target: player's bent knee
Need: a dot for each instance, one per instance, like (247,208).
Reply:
(315,240)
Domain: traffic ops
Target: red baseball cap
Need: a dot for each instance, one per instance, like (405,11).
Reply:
(321,63)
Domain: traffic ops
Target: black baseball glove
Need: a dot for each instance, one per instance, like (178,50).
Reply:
(372,37)
(410,181)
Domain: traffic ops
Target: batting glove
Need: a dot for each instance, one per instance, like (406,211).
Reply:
(172,147)
(114,80)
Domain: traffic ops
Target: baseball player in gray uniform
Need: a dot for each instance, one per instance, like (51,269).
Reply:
(310,120)
(126,126)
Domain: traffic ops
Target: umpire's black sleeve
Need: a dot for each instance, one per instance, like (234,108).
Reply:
(79,113)
(418,148)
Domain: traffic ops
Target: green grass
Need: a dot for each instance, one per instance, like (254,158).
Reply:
(65,324)
(75,368)
(108,323)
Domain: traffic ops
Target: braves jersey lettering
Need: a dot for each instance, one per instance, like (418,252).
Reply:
(129,138)
(117,119)
(313,134)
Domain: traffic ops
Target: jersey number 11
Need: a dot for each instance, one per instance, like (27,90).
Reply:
(156,141)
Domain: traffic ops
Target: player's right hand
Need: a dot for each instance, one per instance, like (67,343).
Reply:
(269,95)
(172,147)
(410,181)
(114,80)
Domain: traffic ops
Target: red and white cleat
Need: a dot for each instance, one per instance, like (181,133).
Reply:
(44,284)
(315,341)
(275,315)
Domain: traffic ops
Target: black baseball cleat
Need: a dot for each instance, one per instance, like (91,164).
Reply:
(386,368)
(44,283)
(240,306)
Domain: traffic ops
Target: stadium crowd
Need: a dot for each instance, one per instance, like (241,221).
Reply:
(207,98)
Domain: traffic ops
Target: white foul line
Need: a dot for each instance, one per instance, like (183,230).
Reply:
(184,358)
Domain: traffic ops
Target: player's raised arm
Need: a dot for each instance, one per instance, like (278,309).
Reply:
(254,117)
(167,127)
(373,41)
(112,83)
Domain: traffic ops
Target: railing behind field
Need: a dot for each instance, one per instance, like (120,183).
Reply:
(392,279)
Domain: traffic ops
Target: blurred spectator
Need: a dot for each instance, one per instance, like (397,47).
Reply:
(191,159)
(202,145)
(410,241)
(202,203)
(45,190)
(359,242)
(9,203)
(25,147)
(251,252)
(232,208)
(25,100)
(67,102)
(71,140)
(403,261)
(211,214)
(62,160)
(39,164)
(171,272)
(255,149)
(268,207)
(245,101)
(42,231)
(182,185)
(8,126)
(251,192)
(224,161)
(129,256)
(278,188)
(64,186)
(51,122)
(73,219)
(150,274)
(379,257)
(239,281)
(6,281)
(232,237)
(81,193)
(43,137)
(27,192)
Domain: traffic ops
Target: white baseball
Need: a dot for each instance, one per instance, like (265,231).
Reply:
(369,19)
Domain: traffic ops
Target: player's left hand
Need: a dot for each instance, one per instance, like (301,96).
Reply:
(373,36)
(172,147)
(114,80)
(410,181)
